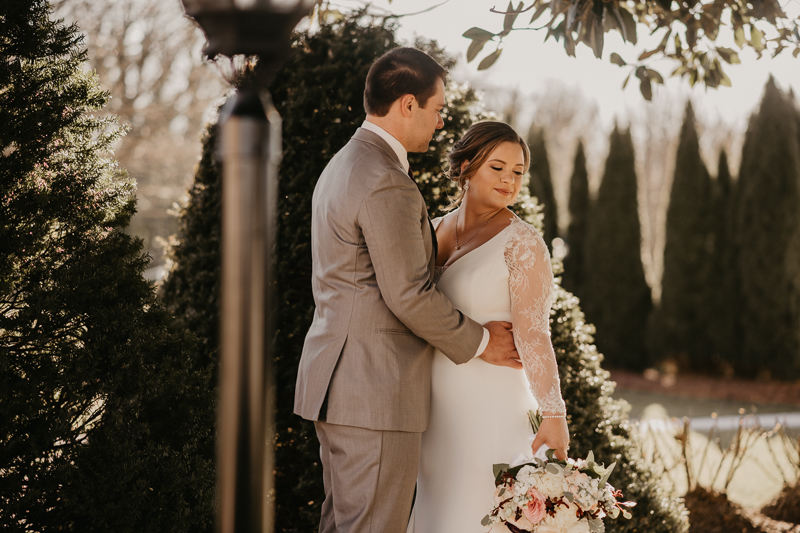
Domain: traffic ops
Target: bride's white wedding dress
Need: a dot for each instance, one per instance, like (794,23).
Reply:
(478,410)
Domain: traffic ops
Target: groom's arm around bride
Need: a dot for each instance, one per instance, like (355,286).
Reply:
(364,375)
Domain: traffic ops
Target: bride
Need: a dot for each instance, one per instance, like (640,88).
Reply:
(492,266)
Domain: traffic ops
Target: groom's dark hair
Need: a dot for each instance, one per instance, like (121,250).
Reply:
(398,72)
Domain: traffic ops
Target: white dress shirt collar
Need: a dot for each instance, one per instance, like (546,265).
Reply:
(396,145)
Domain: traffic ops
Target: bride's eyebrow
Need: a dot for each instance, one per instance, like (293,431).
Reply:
(501,161)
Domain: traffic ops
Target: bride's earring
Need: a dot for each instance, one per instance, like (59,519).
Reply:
(466,186)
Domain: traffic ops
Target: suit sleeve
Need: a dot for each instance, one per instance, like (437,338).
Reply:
(390,222)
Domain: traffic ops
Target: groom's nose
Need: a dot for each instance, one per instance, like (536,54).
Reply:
(439,121)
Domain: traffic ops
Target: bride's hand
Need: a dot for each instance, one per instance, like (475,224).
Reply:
(554,433)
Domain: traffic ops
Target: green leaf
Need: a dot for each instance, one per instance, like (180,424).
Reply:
(678,44)
(499,468)
(489,60)
(474,49)
(728,55)
(617,59)
(569,496)
(604,479)
(646,88)
(627,79)
(796,52)
(486,521)
(629,24)
(539,10)
(508,20)
(738,36)
(478,33)
(655,76)
(552,468)
(756,38)
(535,418)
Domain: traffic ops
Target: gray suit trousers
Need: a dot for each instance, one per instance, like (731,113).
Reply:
(369,485)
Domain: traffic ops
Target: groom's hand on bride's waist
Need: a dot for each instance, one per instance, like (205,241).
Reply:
(501,350)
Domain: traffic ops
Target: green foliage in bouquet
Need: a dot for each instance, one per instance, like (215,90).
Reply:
(599,424)
(104,421)
(766,225)
(617,298)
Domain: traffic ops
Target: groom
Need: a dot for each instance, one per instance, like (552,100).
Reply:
(364,376)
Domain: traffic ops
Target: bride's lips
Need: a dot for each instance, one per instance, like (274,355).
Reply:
(504,192)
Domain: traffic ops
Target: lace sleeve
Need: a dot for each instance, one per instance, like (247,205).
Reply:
(531,287)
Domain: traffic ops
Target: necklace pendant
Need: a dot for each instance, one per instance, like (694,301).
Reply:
(458,247)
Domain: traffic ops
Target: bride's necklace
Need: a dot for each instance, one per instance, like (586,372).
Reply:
(475,234)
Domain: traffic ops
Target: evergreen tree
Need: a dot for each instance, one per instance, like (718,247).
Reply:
(766,228)
(617,298)
(575,261)
(103,416)
(541,183)
(724,301)
(681,325)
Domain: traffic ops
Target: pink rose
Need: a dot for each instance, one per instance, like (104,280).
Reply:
(534,510)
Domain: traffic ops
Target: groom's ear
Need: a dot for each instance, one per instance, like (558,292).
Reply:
(407,103)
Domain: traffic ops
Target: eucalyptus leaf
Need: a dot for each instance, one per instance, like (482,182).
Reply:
(553,468)
(486,521)
(569,496)
(499,469)
(610,469)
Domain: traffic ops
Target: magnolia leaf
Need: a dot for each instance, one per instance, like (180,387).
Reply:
(655,76)
(646,88)
(475,48)
(738,36)
(617,59)
(599,38)
(756,38)
(478,33)
(629,24)
(511,16)
(728,55)
(489,60)
(539,10)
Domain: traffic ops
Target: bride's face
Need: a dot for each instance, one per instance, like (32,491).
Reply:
(498,181)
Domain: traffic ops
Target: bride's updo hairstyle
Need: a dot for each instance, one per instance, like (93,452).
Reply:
(475,146)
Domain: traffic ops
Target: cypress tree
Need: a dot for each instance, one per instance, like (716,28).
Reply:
(681,327)
(618,300)
(541,183)
(99,403)
(575,261)
(766,228)
(725,299)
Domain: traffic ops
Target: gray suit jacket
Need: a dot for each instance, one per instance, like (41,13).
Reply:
(378,313)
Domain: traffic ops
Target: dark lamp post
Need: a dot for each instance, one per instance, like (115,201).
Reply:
(250,151)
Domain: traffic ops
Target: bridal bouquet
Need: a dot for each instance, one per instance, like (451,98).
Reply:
(551,496)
